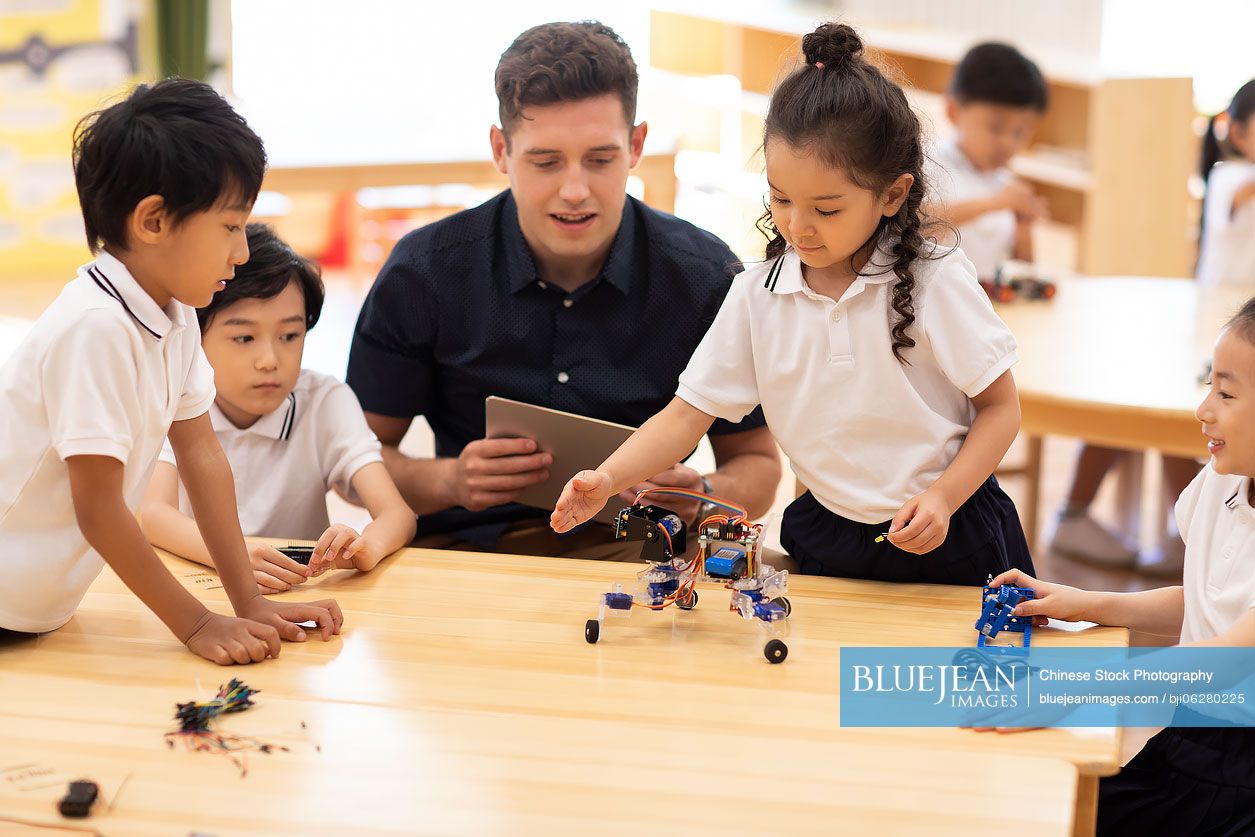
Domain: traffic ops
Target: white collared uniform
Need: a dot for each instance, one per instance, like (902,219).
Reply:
(990,239)
(285,462)
(1227,250)
(863,432)
(104,371)
(1217,523)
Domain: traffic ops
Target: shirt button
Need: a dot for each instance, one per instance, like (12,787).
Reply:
(836,316)
(542,284)
(567,303)
(563,377)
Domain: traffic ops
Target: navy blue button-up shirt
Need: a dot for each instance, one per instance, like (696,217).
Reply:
(459,313)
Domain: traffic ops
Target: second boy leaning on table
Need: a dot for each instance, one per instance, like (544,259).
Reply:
(290,434)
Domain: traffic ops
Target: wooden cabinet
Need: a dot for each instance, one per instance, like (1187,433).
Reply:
(1112,156)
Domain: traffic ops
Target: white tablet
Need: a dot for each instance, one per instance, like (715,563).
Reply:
(576,443)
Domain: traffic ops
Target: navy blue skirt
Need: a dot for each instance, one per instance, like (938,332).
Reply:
(985,538)
(1186,780)
(6,634)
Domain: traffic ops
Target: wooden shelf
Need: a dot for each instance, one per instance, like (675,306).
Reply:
(1113,154)
(1054,169)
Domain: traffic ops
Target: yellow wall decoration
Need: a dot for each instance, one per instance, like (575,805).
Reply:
(59,60)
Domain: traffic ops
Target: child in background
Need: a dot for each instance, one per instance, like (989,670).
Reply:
(1191,780)
(1226,254)
(1078,535)
(1226,245)
(290,434)
(880,365)
(166,180)
(996,99)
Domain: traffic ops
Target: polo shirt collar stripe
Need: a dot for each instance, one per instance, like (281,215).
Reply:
(1239,495)
(113,278)
(105,285)
(773,274)
(290,418)
(274,425)
(785,276)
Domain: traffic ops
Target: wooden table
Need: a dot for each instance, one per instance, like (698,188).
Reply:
(1116,362)
(463,699)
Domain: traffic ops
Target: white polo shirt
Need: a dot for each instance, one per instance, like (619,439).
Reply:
(104,371)
(285,462)
(863,432)
(988,240)
(1227,250)
(1217,522)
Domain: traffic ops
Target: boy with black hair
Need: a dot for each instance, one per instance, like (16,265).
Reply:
(996,99)
(290,434)
(166,180)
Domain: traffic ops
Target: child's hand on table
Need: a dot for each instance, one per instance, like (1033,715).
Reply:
(274,571)
(340,547)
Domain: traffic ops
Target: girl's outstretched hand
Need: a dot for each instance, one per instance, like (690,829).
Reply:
(582,497)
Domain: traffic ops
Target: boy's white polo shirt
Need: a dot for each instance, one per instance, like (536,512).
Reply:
(863,432)
(285,462)
(1217,522)
(104,371)
(990,239)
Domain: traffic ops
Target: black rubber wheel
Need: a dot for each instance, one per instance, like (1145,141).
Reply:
(784,603)
(592,631)
(775,651)
(687,604)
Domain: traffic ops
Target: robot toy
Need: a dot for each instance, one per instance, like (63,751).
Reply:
(1012,283)
(728,551)
(997,615)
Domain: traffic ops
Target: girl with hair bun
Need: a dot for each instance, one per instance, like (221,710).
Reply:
(882,369)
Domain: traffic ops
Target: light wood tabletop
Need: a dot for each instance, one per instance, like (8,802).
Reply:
(1115,361)
(462,699)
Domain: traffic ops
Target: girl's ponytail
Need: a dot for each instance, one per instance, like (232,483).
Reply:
(1211,150)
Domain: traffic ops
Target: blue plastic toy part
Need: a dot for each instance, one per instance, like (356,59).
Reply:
(769,612)
(1006,650)
(727,562)
(998,614)
(618,601)
(672,523)
(659,590)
